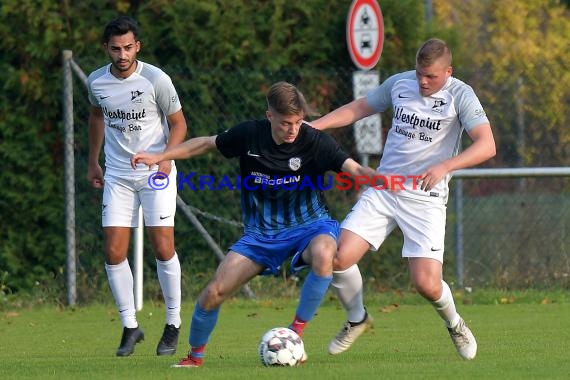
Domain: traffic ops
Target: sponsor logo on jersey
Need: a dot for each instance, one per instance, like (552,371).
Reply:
(415,121)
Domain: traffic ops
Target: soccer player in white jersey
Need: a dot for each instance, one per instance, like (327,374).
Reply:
(431,110)
(135,107)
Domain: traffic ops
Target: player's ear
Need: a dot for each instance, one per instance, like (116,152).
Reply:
(268,115)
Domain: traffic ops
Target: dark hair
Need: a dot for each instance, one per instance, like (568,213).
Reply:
(119,26)
(286,99)
(432,50)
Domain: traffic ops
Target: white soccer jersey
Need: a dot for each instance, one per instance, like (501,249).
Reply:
(135,110)
(425,130)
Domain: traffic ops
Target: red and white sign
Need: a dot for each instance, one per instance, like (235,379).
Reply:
(365,33)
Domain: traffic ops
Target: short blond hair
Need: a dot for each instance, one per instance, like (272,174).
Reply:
(431,51)
(285,99)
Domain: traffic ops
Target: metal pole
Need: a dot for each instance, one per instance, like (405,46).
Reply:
(429,10)
(69,172)
(138,244)
(459,232)
(213,245)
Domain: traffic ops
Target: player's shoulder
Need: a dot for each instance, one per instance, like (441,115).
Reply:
(98,73)
(457,86)
(249,127)
(307,129)
(315,136)
(405,77)
(460,90)
(151,72)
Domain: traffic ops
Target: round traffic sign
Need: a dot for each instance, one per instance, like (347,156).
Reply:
(365,33)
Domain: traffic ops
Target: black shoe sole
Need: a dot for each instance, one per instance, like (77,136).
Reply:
(168,352)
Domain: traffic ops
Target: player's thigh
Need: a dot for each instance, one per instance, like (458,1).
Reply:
(232,273)
(365,227)
(423,226)
(120,205)
(158,204)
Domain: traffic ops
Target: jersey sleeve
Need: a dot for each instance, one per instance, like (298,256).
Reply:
(330,148)
(469,108)
(166,95)
(231,142)
(90,79)
(380,98)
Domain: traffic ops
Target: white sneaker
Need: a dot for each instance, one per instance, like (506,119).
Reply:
(348,335)
(464,340)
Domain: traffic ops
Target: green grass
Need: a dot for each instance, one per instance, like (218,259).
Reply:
(529,340)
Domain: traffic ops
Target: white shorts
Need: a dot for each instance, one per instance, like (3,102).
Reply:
(122,196)
(378,212)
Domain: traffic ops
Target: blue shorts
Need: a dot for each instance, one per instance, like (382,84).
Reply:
(272,251)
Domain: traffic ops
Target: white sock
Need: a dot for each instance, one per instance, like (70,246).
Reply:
(445,306)
(121,282)
(169,276)
(348,287)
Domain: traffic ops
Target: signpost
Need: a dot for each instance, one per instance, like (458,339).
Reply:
(365,39)
(365,33)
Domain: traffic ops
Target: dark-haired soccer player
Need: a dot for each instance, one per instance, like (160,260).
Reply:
(281,222)
(135,107)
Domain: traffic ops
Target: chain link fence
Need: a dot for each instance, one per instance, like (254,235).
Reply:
(514,231)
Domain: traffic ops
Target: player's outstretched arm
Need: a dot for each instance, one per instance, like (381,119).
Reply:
(345,115)
(190,148)
(355,169)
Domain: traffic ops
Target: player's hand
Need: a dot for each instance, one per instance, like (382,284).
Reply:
(165,167)
(390,182)
(431,177)
(95,176)
(146,158)
(395,185)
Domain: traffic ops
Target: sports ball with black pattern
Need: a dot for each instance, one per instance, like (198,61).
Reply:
(281,346)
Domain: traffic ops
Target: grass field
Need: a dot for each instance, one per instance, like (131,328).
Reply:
(529,340)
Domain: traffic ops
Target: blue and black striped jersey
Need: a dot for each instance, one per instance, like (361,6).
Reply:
(281,185)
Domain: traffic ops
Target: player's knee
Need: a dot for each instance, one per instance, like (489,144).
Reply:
(323,251)
(342,262)
(211,298)
(164,250)
(430,290)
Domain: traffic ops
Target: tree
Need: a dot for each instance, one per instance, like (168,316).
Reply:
(521,50)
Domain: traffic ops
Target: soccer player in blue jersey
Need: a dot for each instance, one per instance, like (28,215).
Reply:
(134,106)
(431,109)
(284,215)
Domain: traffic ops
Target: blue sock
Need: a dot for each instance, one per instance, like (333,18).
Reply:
(312,294)
(203,323)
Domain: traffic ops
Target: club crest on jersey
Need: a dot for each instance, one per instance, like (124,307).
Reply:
(135,96)
(295,163)
(438,105)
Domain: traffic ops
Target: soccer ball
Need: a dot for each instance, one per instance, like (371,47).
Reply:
(281,346)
